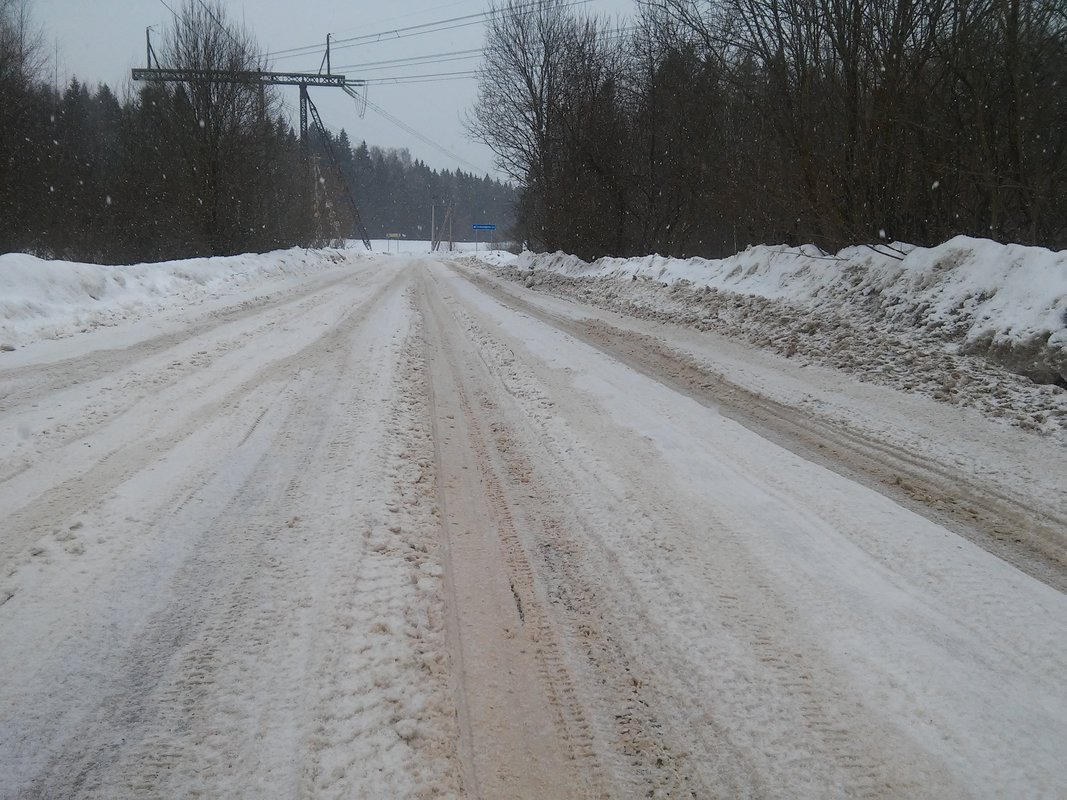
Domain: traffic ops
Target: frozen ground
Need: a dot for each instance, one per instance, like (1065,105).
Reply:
(359,525)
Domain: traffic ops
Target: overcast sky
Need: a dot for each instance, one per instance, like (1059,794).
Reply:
(99,42)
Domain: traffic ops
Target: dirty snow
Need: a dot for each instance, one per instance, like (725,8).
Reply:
(970,322)
(236,486)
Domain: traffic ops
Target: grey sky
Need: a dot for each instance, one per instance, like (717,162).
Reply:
(101,41)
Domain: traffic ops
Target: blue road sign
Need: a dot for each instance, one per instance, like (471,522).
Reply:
(484,227)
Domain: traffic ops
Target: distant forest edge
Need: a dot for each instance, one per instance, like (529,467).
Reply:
(194,169)
(701,127)
(397,193)
(707,125)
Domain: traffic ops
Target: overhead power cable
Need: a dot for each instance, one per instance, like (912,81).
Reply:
(612,35)
(382,38)
(467,76)
(393,33)
(437,26)
(421,78)
(414,65)
(431,58)
(395,18)
(421,137)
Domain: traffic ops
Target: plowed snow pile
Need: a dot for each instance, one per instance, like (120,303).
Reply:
(51,299)
(971,321)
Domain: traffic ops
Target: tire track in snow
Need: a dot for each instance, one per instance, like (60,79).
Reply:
(397,599)
(94,389)
(144,442)
(299,649)
(524,727)
(1030,539)
(22,385)
(768,692)
(197,614)
(631,737)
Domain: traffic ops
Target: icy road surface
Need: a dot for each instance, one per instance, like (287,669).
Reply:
(407,530)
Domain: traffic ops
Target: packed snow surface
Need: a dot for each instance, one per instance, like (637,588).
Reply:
(338,524)
(1008,302)
(42,299)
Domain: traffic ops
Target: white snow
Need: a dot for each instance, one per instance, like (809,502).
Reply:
(42,299)
(972,324)
(220,526)
(422,247)
(888,592)
(1004,301)
(219,587)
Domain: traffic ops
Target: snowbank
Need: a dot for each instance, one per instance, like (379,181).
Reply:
(1004,302)
(497,258)
(49,299)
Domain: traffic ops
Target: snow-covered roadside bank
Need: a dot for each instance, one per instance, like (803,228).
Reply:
(42,300)
(993,483)
(971,322)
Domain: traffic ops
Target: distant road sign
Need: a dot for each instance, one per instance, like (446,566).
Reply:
(394,236)
(484,227)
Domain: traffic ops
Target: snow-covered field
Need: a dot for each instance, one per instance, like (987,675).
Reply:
(339,524)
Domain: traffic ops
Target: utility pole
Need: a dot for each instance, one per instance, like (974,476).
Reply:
(436,236)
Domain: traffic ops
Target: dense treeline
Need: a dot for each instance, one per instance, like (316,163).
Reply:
(712,124)
(396,193)
(173,171)
(189,169)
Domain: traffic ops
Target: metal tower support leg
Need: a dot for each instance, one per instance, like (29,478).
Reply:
(304,118)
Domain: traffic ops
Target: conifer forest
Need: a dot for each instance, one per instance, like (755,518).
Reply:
(193,169)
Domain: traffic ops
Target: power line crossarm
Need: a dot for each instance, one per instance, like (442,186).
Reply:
(253,77)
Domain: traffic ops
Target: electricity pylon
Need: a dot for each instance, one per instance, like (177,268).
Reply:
(303,80)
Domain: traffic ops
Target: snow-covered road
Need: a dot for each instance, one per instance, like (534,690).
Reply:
(408,530)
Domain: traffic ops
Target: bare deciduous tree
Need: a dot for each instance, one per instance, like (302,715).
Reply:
(725,122)
(548,106)
(223,126)
(21,60)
